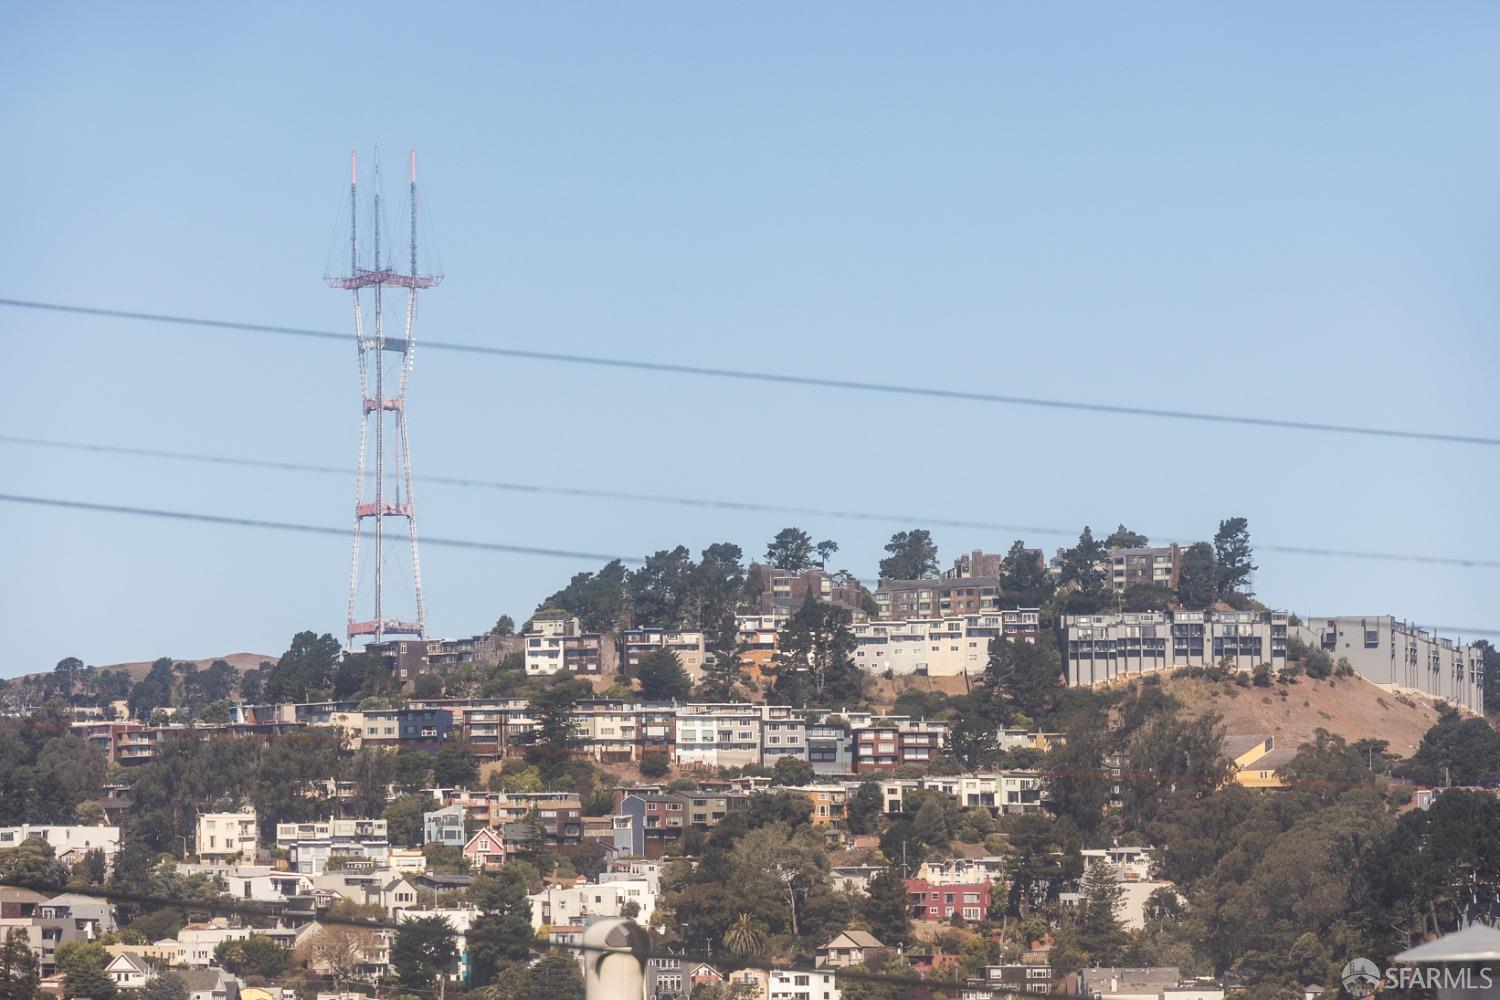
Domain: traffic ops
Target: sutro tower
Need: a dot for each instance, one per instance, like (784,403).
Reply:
(384,418)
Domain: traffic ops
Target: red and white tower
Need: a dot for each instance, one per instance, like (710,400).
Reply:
(383,490)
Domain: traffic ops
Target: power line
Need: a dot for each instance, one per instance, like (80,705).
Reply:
(311,529)
(457,543)
(747,375)
(700,502)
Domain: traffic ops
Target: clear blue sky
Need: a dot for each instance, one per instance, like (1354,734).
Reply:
(1276,209)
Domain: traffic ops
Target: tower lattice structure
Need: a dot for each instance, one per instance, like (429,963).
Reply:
(382,492)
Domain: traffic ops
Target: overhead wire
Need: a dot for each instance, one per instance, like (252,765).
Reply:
(457,543)
(581,492)
(786,378)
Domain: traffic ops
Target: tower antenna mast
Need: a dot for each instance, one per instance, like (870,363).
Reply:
(391,482)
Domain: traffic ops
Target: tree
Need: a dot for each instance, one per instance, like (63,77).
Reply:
(341,949)
(404,818)
(865,808)
(744,937)
(152,691)
(256,955)
(1022,677)
(601,601)
(1197,580)
(913,556)
(1123,538)
(1083,571)
(66,674)
(791,771)
(504,625)
(1023,577)
(82,965)
(305,671)
(455,767)
(425,949)
(1100,933)
(167,986)
(815,661)
(662,676)
(555,977)
(825,549)
(93,983)
(971,735)
(501,934)
(790,550)
(654,765)
(887,908)
(1457,751)
(661,589)
(553,737)
(20,978)
(1232,552)
(32,863)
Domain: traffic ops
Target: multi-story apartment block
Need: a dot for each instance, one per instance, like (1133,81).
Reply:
(782,735)
(757,637)
(1008,792)
(944,597)
(971,901)
(998,982)
(560,813)
(308,713)
(888,745)
(727,735)
(68,843)
(1125,568)
(412,727)
(444,826)
(409,657)
(830,803)
(939,647)
(1400,656)
(334,844)
(485,722)
(782,592)
(782,984)
(228,835)
(1105,647)
(560,646)
(688,645)
(830,748)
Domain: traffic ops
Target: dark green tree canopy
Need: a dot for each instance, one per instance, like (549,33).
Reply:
(1232,553)
(913,556)
(790,550)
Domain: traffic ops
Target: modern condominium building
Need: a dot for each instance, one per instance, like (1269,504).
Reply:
(1100,648)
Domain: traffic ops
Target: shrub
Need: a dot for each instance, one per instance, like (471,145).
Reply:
(654,765)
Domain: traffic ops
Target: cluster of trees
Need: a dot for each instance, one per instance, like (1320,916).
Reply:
(1210,572)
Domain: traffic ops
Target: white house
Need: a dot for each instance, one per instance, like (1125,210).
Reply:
(199,940)
(575,904)
(129,972)
(784,985)
(226,835)
(69,843)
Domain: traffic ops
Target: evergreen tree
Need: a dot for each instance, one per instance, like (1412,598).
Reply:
(501,934)
(425,949)
(1022,677)
(790,550)
(1123,538)
(865,807)
(913,556)
(887,908)
(815,662)
(1100,933)
(1232,553)
(1023,577)
(1197,581)
(20,978)
(555,977)
(662,677)
(167,986)
(1083,573)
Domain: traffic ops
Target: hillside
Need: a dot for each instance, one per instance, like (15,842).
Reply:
(1350,707)
(137,670)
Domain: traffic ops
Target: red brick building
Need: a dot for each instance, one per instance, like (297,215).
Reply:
(970,900)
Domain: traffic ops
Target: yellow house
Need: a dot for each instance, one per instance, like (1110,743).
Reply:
(1254,761)
(1045,741)
(830,803)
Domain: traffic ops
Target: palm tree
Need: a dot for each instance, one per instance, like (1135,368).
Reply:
(743,937)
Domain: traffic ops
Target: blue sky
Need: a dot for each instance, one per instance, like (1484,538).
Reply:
(1273,209)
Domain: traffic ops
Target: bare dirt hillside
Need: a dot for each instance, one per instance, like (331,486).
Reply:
(1350,707)
(239,661)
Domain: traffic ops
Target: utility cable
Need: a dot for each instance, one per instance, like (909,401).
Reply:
(640,364)
(659,498)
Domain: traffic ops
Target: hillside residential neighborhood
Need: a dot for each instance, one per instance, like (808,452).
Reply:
(992,776)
